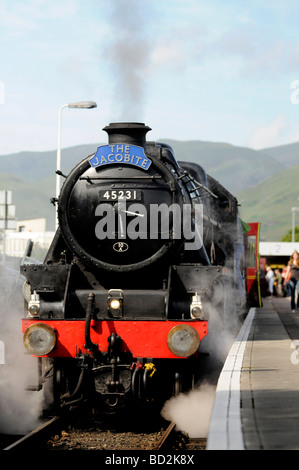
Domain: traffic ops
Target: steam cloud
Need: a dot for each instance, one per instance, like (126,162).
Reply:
(19,409)
(191,411)
(127,54)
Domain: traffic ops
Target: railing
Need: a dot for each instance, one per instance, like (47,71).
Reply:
(16,244)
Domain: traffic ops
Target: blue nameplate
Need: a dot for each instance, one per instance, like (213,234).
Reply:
(120,153)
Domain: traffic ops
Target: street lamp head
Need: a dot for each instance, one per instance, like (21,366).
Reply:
(79,104)
(83,104)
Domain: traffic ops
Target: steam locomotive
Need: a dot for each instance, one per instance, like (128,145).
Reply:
(144,255)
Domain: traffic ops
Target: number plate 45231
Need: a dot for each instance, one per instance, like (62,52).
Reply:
(115,194)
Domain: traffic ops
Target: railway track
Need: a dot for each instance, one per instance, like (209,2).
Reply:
(163,441)
(56,434)
(172,439)
(32,437)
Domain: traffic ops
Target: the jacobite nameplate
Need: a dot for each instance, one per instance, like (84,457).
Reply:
(120,153)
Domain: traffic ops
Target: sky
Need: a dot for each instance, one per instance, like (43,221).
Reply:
(217,70)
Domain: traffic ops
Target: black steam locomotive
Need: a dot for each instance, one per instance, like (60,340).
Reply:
(145,253)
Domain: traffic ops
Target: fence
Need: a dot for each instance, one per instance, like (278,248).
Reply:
(16,243)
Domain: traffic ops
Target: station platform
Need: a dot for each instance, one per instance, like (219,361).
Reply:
(256,404)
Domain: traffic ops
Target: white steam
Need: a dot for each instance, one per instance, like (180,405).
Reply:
(19,409)
(191,411)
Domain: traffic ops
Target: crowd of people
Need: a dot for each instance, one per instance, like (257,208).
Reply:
(285,282)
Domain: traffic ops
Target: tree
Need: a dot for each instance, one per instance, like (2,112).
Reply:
(288,236)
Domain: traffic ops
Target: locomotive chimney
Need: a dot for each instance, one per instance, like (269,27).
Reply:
(133,133)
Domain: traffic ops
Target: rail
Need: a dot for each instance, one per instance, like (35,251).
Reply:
(166,436)
(34,435)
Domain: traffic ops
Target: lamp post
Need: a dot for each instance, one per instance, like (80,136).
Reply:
(294,209)
(80,105)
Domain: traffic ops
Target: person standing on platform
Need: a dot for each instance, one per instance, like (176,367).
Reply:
(278,282)
(293,270)
(270,280)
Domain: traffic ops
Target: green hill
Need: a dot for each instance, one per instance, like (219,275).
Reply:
(36,165)
(236,168)
(31,178)
(287,154)
(270,202)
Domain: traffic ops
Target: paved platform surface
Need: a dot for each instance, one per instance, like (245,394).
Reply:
(270,379)
(257,399)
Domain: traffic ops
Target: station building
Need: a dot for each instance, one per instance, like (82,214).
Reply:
(276,254)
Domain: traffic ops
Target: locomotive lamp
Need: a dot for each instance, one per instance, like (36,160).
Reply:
(183,340)
(34,305)
(39,339)
(115,302)
(196,307)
